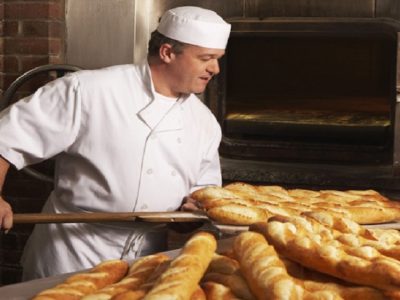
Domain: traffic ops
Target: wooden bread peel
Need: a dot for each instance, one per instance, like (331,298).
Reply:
(93,217)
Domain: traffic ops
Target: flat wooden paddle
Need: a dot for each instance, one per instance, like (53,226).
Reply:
(94,217)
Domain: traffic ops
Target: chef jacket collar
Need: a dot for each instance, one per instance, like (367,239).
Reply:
(148,84)
(148,114)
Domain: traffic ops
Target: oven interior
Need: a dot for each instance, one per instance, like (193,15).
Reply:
(310,96)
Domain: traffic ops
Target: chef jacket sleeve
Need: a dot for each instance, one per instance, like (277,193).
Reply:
(210,170)
(42,125)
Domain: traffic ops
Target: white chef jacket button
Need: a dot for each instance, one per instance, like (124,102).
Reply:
(149,171)
(154,136)
(170,208)
(179,140)
(173,173)
(144,206)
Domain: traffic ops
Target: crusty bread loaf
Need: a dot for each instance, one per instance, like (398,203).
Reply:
(130,295)
(226,271)
(137,275)
(235,282)
(198,294)
(181,278)
(212,192)
(217,291)
(78,285)
(314,281)
(223,264)
(322,249)
(234,214)
(267,276)
(264,272)
(364,207)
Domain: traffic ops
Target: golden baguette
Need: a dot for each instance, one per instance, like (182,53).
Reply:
(182,277)
(137,275)
(235,282)
(234,214)
(265,272)
(211,193)
(316,247)
(364,207)
(223,264)
(147,285)
(130,295)
(316,281)
(78,285)
(198,294)
(217,291)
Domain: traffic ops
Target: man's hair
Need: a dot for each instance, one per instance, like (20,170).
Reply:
(157,39)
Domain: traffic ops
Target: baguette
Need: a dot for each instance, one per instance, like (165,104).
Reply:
(137,275)
(78,285)
(317,247)
(234,214)
(363,207)
(264,272)
(235,282)
(216,291)
(182,277)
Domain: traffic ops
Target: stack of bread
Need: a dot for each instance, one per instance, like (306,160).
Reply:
(300,244)
(312,256)
(245,204)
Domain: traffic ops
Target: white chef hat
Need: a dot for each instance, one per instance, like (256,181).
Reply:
(196,26)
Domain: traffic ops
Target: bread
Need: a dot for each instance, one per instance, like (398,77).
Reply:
(223,264)
(234,214)
(363,207)
(137,275)
(325,250)
(78,285)
(216,291)
(181,278)
(264,272)
(235,282)
(198,294)
(268,276)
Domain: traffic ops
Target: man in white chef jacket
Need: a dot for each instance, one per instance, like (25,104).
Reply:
(127,138)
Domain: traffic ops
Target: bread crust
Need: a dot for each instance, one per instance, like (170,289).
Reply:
(364,207)
(78,285)
(181,278)
(321,248)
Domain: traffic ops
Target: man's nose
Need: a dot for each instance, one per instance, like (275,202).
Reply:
(213,67)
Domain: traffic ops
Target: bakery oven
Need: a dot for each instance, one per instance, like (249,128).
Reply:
(307,93)
(309,102)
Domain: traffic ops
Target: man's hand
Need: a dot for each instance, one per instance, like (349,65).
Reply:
(6,215)
(189,204)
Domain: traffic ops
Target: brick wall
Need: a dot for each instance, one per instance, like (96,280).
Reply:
(32,34)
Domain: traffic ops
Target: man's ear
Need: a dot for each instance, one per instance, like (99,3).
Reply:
(166,53)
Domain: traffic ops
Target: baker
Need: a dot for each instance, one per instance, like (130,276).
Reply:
(126,138)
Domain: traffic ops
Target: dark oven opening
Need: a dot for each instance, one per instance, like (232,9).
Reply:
(314,92)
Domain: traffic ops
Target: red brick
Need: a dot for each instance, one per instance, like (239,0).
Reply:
(35,28)
(56,29)
(1,11)
(33,10)
(32,46)
(10,28)
(10,64)
(29,62)
(55,46)
(56,59)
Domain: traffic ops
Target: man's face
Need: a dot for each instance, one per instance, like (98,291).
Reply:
(193,68)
